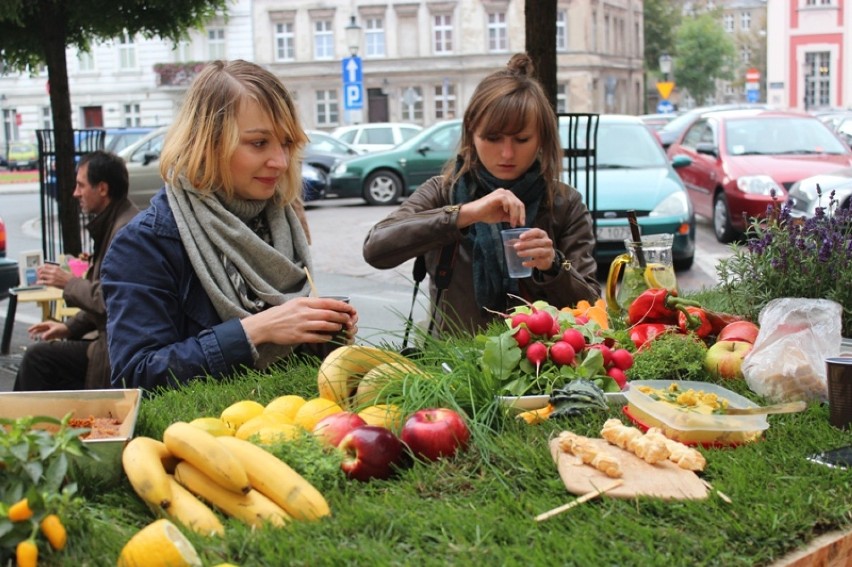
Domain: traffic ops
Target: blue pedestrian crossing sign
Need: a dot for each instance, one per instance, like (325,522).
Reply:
(353,83)
(665,107)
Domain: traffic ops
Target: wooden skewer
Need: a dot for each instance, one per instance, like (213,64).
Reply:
(724,497)
(311,283)
(584,498)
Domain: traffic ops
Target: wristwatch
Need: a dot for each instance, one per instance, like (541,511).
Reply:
(560,263)
(450,209)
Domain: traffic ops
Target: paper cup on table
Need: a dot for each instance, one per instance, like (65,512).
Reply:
(514,263)
(839,372)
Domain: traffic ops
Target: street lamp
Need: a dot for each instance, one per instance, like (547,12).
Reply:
(353,36)
(666,65)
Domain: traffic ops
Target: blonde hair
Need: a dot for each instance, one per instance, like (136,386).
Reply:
(503,103)
(204,136)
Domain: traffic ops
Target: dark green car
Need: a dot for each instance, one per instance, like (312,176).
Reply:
(381,178)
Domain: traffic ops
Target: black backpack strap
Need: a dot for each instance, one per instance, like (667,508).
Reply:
(443,275)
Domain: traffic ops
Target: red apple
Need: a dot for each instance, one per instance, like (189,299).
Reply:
(371,451)
(333,428)
(744,331)
(434,433)
(725,358)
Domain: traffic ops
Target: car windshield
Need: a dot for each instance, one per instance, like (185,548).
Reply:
(621,146)
(780,135)
(327,144)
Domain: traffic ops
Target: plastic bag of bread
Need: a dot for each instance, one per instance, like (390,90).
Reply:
(796,335)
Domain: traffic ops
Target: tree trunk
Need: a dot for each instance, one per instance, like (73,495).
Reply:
(540,23)
(55,36)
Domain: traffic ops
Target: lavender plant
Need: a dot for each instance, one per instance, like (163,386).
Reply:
(784,256)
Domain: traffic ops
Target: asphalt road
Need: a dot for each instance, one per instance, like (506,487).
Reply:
(338,227)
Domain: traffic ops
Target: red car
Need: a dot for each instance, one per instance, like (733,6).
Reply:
(740,158)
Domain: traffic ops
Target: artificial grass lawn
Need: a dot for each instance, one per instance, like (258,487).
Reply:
(478,509)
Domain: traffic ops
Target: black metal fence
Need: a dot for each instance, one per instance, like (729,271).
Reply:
(85,141)
(579,135)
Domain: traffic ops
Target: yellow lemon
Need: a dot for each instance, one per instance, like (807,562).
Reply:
(288,405)
(212,425)
(238,413)
(265,419)
(312,411)
(660,276)
(159,543)
(277,433)
(385,415)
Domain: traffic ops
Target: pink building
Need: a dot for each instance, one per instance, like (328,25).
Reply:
(809,50)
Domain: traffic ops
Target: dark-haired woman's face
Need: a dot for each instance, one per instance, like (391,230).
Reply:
(508,156)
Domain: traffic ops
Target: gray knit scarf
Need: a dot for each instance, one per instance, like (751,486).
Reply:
(241,272)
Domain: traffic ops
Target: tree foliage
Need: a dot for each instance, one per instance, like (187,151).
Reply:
(34,32)
(704,52)
(661,20)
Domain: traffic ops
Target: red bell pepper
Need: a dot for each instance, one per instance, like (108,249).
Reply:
(643,333)
(656,305)
(696,320)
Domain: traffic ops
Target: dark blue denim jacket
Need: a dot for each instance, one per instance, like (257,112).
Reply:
(162,327)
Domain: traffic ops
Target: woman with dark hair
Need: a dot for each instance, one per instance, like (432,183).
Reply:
(212,276)
(506,175)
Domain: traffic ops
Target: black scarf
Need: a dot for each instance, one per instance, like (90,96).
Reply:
(491,281)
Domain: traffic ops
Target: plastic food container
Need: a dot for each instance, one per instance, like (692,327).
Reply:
(691,427)
(122,405)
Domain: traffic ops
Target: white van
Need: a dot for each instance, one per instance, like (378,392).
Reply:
(376,136)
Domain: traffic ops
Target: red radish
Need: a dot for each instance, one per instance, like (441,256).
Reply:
(555,329)
(618,375)
(606,352)
(522,337)
(562,353)
(581,319)
(519,319)
(622,358)
(537,354)
(540,323)
(574,338)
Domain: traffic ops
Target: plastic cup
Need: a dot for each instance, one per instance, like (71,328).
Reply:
(839,372)
(514,263)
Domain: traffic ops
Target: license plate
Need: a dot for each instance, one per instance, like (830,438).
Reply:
(613,233)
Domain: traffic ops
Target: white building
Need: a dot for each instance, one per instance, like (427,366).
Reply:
(421,61)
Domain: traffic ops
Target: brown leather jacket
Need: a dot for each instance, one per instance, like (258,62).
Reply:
(86,294)
(424,224)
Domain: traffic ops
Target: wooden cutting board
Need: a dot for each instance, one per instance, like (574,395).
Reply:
(663,480)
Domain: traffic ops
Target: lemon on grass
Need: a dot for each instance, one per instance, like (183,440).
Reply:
(288,405)
(660,276)
(159,543)
(276,433)
(313,410)
(388,416)
(212,425)
(240,412)
(265,419)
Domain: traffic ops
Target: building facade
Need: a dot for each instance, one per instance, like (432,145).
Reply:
(809,49)
(421,61)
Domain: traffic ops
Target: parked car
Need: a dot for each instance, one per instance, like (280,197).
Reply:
(382,177)
(841,122)
(657,121)
(675,128)
(8,267)
(805,199)
(634,173)
(376,136)
(323,150)
(741,158)
(143,168)
(22,155)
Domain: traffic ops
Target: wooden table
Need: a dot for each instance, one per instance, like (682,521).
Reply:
(46,297)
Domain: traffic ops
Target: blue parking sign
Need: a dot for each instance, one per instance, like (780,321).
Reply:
(665,107)
(353,83)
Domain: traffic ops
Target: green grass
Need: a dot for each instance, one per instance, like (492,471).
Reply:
(18,176)
(479,509)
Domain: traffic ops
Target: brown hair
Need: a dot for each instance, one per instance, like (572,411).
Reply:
(201,141)
(502,103)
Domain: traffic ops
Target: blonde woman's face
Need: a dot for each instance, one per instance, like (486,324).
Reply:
(508,156)
(260,160)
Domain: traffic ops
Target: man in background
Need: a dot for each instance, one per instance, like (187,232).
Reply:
(72,354)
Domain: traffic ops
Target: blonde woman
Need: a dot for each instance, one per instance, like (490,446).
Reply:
(211,277)
(506,175)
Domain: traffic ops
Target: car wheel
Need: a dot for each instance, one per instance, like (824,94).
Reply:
(383,188)
(722,220)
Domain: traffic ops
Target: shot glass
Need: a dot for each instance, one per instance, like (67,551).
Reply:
(839,373)
(514,263)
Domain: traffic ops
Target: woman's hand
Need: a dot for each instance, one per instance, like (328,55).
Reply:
(536,245)
(51,274)
(302,320)
(501,205)
(49,331)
